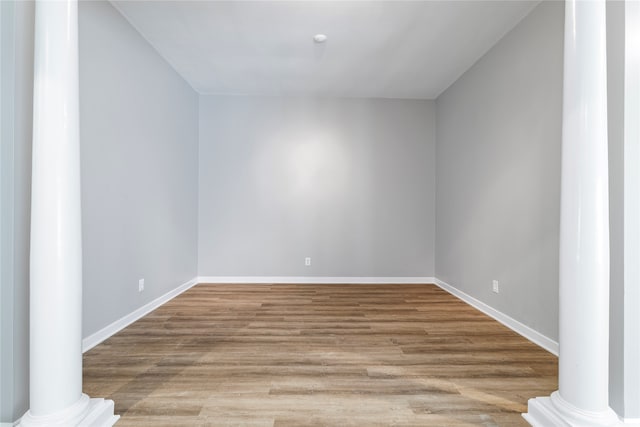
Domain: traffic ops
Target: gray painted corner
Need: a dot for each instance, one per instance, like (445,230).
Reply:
(139,147)
(347,182)
(498,173)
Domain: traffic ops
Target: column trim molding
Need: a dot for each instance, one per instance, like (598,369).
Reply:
(555,411)
(85,412)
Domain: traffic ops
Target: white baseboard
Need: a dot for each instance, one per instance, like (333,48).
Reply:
(314,280)
(532,335)
(520,328)
(96,338)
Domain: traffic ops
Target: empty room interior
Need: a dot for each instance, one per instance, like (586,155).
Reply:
(328,213)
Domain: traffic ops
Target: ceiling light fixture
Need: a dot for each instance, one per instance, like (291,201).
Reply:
(320,38)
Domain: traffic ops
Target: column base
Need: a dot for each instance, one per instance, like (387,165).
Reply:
(555,411)
(85,412)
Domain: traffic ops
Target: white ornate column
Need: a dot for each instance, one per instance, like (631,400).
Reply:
(583,396)
(56,397)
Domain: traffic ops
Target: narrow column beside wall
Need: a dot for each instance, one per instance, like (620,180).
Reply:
(583,395)
(56,396)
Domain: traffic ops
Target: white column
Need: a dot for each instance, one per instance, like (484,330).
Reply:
(583,396)
(56,397)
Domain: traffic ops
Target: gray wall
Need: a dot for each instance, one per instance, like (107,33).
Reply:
(347,182)
(498,173)
(139,148)
(16,201)
(615,75)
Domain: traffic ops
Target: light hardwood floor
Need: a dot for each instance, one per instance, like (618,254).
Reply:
(321,355)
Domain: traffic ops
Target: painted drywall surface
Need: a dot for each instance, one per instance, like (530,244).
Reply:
(15,357)
(138,130)
(498,173)
(615,88)
(6,211)
(347,182)
(25,13)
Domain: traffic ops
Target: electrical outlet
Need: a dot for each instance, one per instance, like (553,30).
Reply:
(307,261)
(496,287)
(140,285)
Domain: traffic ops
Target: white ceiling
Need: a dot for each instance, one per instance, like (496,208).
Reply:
(386,49)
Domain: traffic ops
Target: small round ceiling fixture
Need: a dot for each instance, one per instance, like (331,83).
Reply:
(320,38)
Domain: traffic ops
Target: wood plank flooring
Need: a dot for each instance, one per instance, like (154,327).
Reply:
(318,355)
